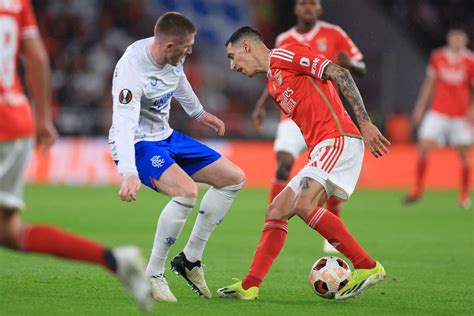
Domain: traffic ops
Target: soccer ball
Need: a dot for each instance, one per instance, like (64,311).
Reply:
(328,275)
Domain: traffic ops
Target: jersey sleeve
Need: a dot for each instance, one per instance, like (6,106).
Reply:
(187,98)
(127,91)
(345,44)
(27,21)
(301,61)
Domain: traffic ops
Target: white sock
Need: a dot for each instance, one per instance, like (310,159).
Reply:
(170,224)
(214,206)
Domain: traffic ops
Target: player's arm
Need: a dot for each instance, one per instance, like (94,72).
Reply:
(356,67)
(350,56)
(38,77)
(424,96)
(189,101)
(260,109)
(375,141)
(126,94)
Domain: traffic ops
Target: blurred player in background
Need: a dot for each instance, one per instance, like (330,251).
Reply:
(333,43)
(449,85)
(149,151)
(303,83)
(19,35)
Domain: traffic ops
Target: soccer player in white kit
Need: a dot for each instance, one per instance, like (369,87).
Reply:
(147,150)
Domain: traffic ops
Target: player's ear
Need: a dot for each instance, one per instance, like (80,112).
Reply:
(246,45)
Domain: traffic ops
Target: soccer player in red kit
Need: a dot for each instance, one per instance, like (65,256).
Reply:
(303,85)
(449,82)
(333,43)
(19,35)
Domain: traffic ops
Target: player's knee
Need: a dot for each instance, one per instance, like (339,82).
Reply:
(303,208)
(189,191)
(283,171)
(274,211)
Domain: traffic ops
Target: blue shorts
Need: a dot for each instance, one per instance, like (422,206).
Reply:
(153,158)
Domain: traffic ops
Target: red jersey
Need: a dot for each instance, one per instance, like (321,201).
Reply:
(295,81)
(325,39)
(17,22)
(454,76)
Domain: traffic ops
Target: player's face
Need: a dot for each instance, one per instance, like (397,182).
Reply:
(457,39)
(178,49)
(241,59)
(308,11)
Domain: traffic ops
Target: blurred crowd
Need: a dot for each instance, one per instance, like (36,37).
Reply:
(427,20)
(85,39)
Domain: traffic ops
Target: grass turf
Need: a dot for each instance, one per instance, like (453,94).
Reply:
(427,250)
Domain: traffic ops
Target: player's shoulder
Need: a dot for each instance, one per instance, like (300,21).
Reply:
(297,48)
(331,28)
(284,37)
(439,52)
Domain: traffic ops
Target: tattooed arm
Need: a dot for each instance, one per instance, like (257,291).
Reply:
(375,141)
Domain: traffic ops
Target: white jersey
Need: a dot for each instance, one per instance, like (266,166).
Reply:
(142,92)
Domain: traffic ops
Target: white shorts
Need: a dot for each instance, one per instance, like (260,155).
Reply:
(336,164)
(289,138)
(13,158)
(443,129)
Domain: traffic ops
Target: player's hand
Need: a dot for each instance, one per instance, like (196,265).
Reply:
(128,190)
(258,116)
(342,59)
(45,135)
(374,140)
(213,122)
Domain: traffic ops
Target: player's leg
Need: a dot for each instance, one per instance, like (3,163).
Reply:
(460,136)
(463,198)
(205,166)
(269,247)
(289,143)
(431,131)
(175,183)
(126,262)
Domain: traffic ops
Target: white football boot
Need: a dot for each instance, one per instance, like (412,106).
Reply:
(131,271)
(161,290)
(193,273)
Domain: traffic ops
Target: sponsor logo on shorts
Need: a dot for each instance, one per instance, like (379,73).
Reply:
(125,96)
(157,161)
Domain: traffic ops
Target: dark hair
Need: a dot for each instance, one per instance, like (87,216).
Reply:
(174,23)
(245,31)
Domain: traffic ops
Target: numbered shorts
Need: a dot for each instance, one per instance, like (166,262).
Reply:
(444,129)
(14,156)
(335,163)
(153,158)
(289,138)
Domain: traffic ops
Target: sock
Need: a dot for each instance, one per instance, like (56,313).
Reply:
(269,247)
(276,188)
(169,226)
(334,206)
(420,175)
(333,229)
(213,208)
(465,172)
(53,241)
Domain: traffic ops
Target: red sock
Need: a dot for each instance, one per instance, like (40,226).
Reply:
(276,188)
(53,241)
(420,175)
(334,230)
(334,205)
(269,246)
(465,172)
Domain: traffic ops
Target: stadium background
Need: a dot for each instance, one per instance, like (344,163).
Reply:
(426,248)
(85,39)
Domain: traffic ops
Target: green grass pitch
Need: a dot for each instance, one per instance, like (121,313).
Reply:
(427,250)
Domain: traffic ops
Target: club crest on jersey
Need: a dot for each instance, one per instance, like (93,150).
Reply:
(125,96)
(322,44)
(178,70)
